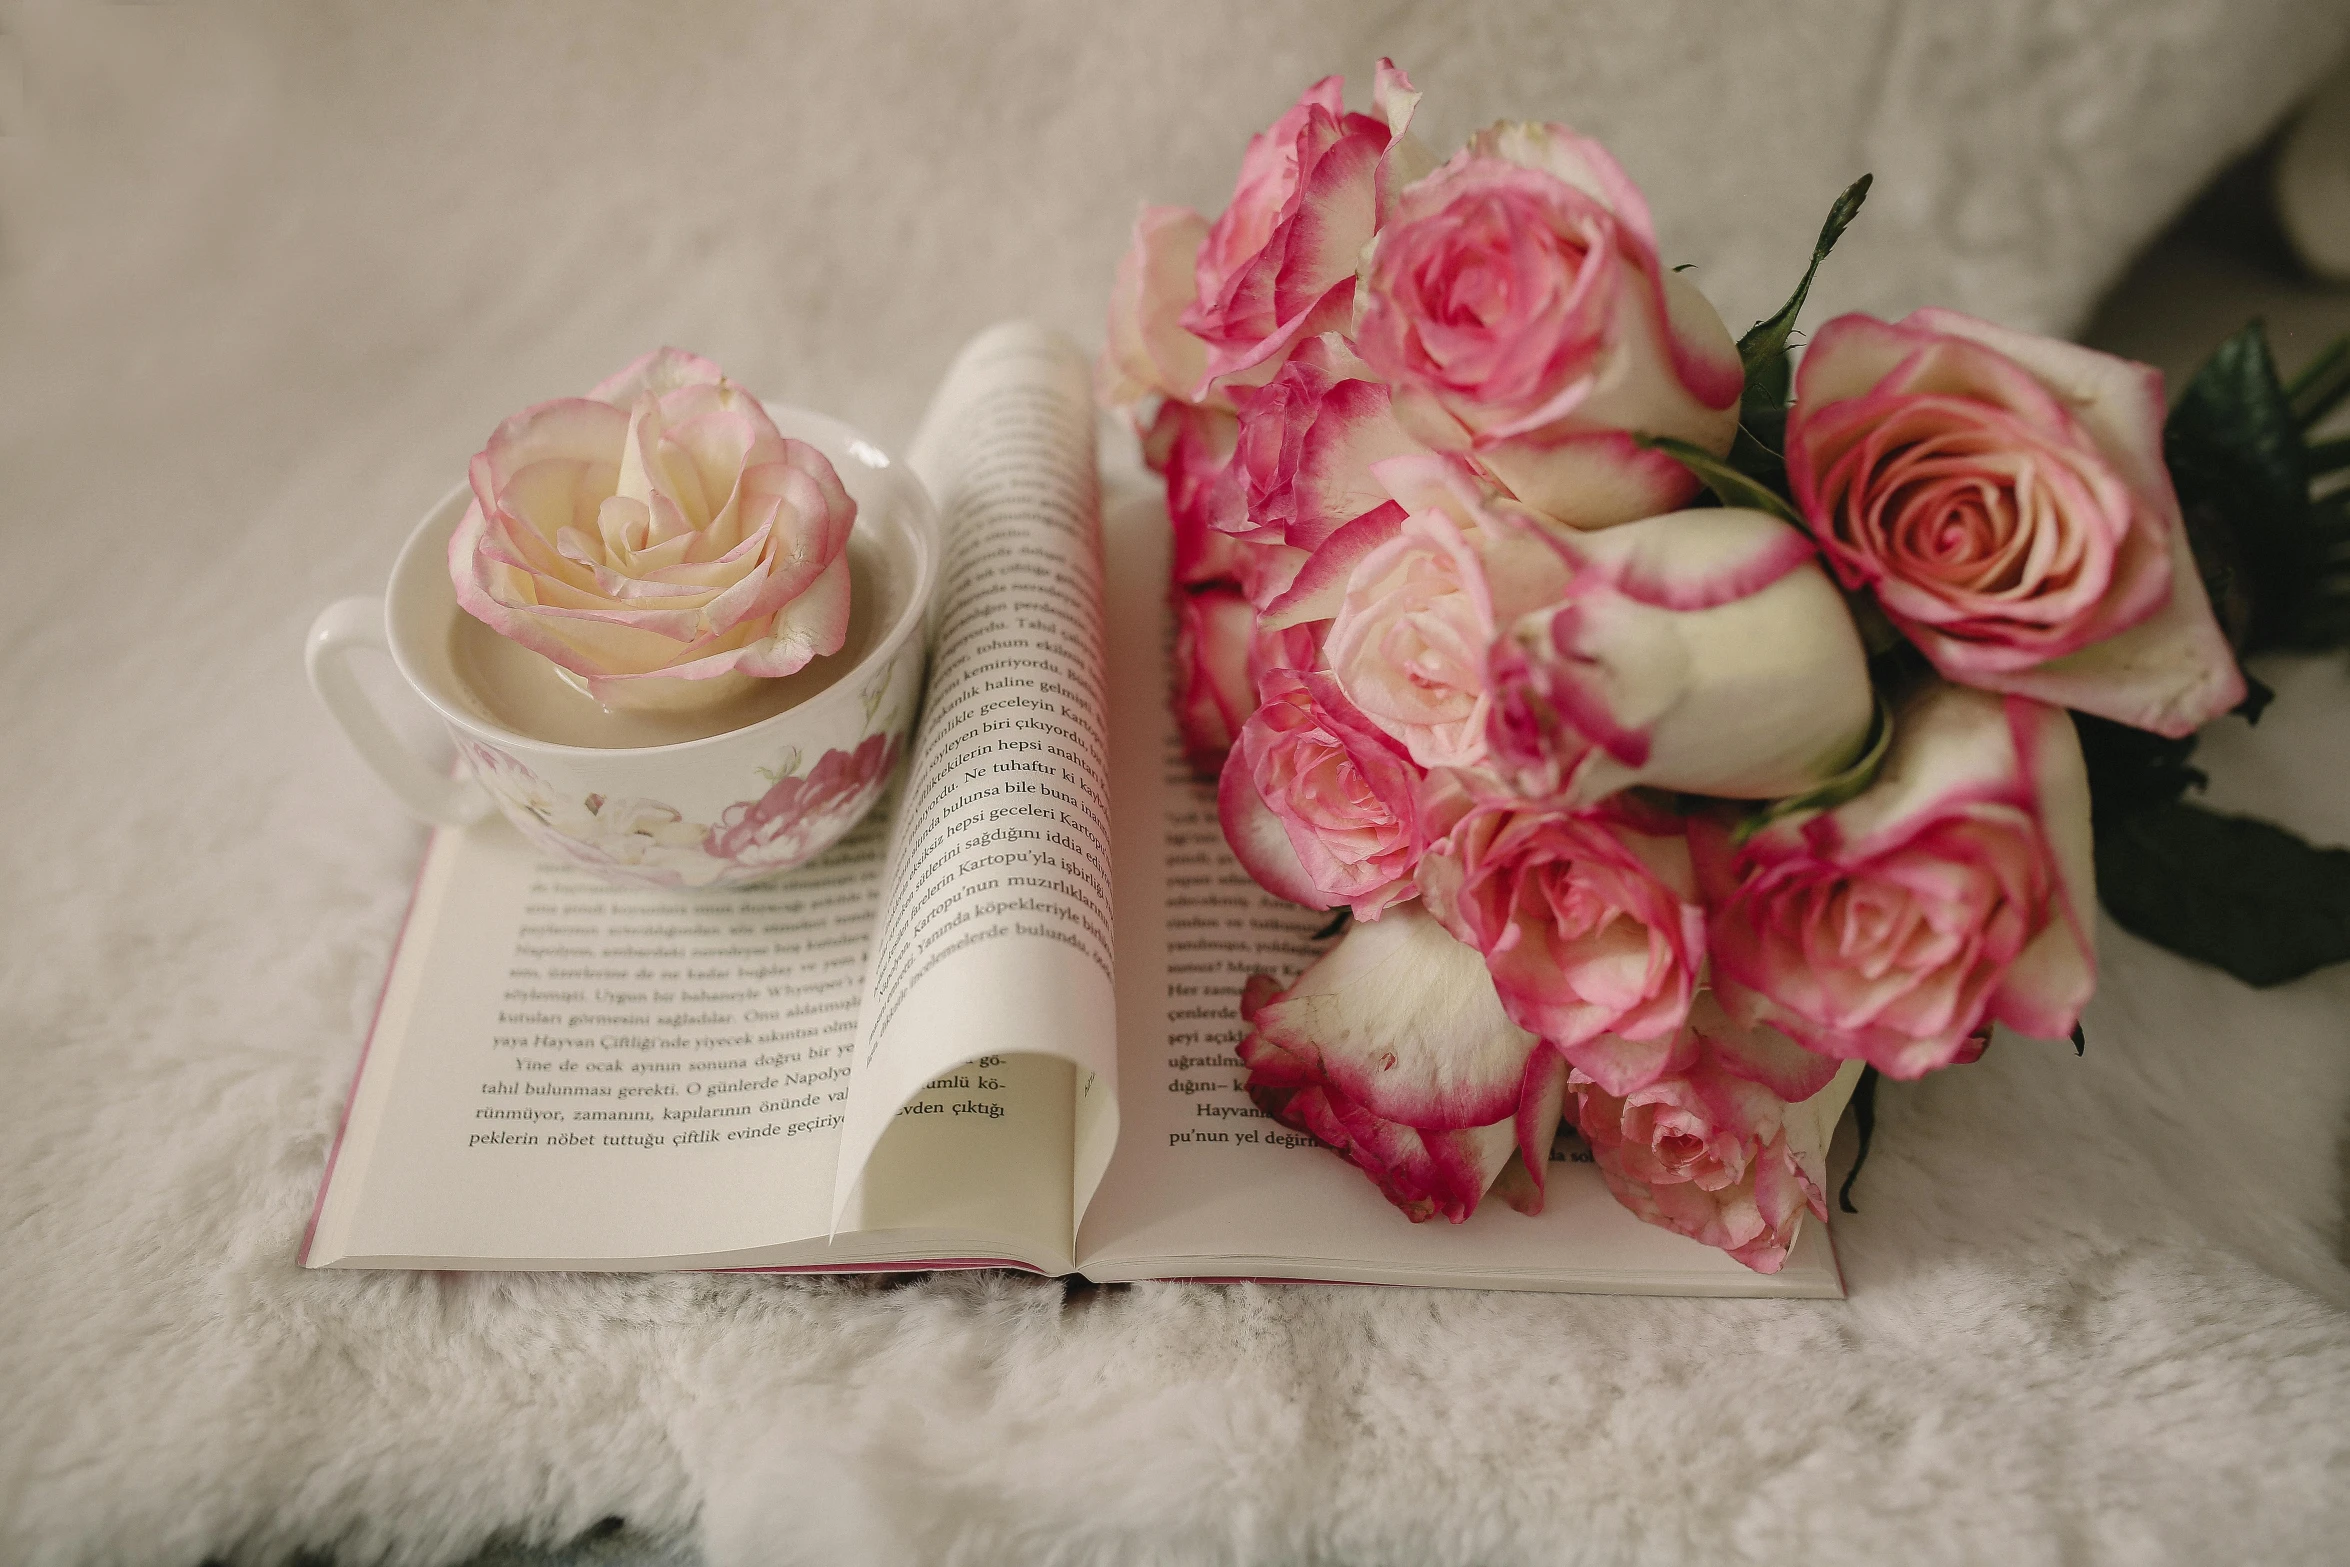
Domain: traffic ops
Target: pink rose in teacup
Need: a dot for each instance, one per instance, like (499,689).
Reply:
(2005,499)
(658,539)
(1515,303)
(1956,891)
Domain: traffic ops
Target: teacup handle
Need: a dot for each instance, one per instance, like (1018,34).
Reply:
(432,796)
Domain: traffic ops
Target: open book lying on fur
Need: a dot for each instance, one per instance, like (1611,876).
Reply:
(993,1027)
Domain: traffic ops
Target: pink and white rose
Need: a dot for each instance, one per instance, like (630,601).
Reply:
(1588,923)
(1956,891)
(1415,606)
(1392,1050)
(1723,1150)
(1146,352)
(1192,447)
(1308,439)
(1515,304)
(2005,499)
(1214,694)
(659,538)
(1320,806)
(1702,651)
(1278,265)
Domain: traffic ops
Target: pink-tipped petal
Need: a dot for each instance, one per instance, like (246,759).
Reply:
(1404,1021)
(1258,838)
(1320,584)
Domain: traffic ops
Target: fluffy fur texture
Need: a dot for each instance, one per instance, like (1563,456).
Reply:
(270,277)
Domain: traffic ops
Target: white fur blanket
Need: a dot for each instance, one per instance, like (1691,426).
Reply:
(267,276)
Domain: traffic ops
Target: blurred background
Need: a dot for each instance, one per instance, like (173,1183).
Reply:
(331,210)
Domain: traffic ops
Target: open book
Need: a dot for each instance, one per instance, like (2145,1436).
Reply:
(993,1027)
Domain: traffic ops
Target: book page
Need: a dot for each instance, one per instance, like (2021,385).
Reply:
(565,1072)
(1205,1184)
(996,941)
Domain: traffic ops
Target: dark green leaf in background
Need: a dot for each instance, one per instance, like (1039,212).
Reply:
(2277,566)
(2322,386)
(2133,770)
(2240,894)
(1864,1123)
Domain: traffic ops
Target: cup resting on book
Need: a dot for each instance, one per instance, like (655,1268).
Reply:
(722,797)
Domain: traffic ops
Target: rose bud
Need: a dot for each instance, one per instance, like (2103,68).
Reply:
(1279,265)
(1955,891)
(659,538)
(2005,499)
(1308,438)
(1146,352)
(1589,925)
(1701,651)
(1414,606)
(1515,304)
(1715,1151)
(1392,1050)
(1320,806)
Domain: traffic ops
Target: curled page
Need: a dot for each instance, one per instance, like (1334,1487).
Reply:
(996,932)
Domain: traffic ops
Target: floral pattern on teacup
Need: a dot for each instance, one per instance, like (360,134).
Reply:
(796,818)
(654,844)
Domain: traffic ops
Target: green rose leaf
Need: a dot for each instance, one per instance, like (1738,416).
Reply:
(2276,564)
(2322,386)
(2133,770)
(1730,487)
(2242,895)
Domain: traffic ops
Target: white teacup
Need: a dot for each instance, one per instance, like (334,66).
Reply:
(626,795)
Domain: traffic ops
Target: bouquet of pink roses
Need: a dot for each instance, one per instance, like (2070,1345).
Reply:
(1682,730)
